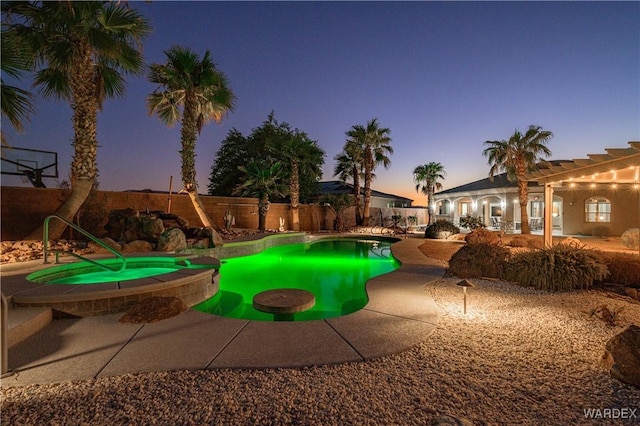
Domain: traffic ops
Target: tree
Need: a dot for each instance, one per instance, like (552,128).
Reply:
(17,103)
(262,180)
(338,203)
(81,50)
(374,143)
(193,91)
(426,177)
(225,175)
(304,159)
(349,165)
(518,156)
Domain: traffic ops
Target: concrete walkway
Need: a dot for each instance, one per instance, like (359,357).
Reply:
(399,315)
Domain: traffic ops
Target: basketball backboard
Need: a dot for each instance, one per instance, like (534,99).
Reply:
(32,163)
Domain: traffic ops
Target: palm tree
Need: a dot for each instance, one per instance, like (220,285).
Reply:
(337,203)
(82,49)
(426,177)
(262,180)
(518,156)
(304,157)
(350,165)
(374,142)
(195,92)
(16,102)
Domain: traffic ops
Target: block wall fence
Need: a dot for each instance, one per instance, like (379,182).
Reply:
(24,208)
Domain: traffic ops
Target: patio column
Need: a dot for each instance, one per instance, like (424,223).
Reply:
(548,214)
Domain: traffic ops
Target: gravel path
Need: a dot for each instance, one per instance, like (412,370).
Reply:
(518,357)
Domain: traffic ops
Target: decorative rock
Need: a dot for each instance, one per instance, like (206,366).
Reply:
(570,241)
(99,249)
(137,246)
(151,227)
(172,240)
(622,355)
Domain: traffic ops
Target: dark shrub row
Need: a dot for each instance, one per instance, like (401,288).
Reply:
(563,267)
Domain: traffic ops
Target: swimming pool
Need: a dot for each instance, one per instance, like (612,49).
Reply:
(334,270)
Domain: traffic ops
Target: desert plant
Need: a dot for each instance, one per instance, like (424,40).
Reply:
(441,229)
(471,222)
(482,236)
(631,238)
(624,268)
(479,260)
(563,267)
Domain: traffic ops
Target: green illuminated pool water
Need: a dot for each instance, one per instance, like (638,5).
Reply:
(335,271)
(85,273)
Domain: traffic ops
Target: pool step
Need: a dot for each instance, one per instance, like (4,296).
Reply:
(25,322)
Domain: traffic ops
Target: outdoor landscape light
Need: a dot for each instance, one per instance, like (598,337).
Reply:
(464,284)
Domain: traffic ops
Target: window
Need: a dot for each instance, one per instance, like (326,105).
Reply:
(597,209)
(465,208)
(496,210)
(443,207)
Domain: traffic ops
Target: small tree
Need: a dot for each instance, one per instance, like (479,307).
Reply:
(262,180)
(338,203)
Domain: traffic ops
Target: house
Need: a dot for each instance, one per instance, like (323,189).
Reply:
(383,206)
(378,199)
(598,195)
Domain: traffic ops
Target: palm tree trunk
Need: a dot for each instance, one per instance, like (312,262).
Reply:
(356,190)
(294,193)
(367,195)
(523,193)
(205,218)
(85,145)
(263,209)
(67,211)
(429,204)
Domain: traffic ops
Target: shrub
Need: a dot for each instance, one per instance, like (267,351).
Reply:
(624,268)
(631,238)
(471,223)
(563,267)
(479,260)
(482,236)
(441,229)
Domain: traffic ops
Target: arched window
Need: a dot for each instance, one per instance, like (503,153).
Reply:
(444,207)
(597,209)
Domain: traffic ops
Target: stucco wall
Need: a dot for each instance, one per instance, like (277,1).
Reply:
(625,211)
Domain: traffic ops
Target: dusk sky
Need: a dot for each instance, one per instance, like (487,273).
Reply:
(444,77)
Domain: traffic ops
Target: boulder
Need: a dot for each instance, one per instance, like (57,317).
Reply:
(96,248)
(137,246)
(622,355)
(172,240)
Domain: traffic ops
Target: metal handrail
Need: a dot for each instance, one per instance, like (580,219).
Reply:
(45,243)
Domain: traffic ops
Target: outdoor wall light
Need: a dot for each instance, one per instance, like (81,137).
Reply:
(464,284)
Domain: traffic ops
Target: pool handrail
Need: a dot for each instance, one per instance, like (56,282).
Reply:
(46,251)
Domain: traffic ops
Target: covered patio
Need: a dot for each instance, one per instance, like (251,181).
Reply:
(619,168)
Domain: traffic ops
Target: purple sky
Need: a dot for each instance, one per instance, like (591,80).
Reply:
(444,77)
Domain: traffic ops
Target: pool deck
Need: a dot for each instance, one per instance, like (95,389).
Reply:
(399,315)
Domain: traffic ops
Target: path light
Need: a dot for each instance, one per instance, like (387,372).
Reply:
(464,284)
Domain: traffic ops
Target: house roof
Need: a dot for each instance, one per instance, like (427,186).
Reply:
(338,187)
(618,165)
